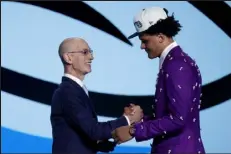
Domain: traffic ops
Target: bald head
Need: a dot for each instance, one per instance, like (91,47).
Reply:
(71,44)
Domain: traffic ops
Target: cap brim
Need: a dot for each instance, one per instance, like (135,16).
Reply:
(133,35)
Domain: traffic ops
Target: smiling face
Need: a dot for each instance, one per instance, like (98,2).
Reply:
(77,57)
(81,58)
(152,44)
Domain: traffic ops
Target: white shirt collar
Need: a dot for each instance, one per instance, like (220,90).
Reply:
(165,52)
(78,81)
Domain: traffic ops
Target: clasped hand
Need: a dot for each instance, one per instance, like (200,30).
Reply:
(123,134)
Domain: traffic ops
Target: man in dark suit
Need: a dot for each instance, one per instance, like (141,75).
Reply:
(75,127)
(175,123)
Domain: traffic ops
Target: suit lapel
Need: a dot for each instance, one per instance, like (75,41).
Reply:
(173,53)
(83,94)
(92,107)
(168,57)
(90,103)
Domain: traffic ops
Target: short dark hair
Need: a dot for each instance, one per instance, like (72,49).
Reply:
(169,27)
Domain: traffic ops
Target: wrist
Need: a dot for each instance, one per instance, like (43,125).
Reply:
(132,130)
(130,119)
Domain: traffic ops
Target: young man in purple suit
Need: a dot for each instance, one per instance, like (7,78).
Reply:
(175,123)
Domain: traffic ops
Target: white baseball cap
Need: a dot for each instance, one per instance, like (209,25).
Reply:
(146,18)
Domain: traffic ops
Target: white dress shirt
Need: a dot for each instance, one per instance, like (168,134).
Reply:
(165,52)
(79,82)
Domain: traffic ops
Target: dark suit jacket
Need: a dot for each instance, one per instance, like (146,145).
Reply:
(75,127)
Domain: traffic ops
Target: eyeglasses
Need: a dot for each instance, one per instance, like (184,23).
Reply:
(84,52)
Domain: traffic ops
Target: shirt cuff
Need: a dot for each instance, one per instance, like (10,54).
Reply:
(127,120)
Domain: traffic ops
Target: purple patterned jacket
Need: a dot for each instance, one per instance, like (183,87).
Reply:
(175,125)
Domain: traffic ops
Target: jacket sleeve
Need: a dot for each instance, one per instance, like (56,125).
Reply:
(79,117)
(179,79)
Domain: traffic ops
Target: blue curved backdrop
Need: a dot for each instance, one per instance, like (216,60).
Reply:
(30,39)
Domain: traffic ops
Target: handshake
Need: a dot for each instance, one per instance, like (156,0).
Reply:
(125,133)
